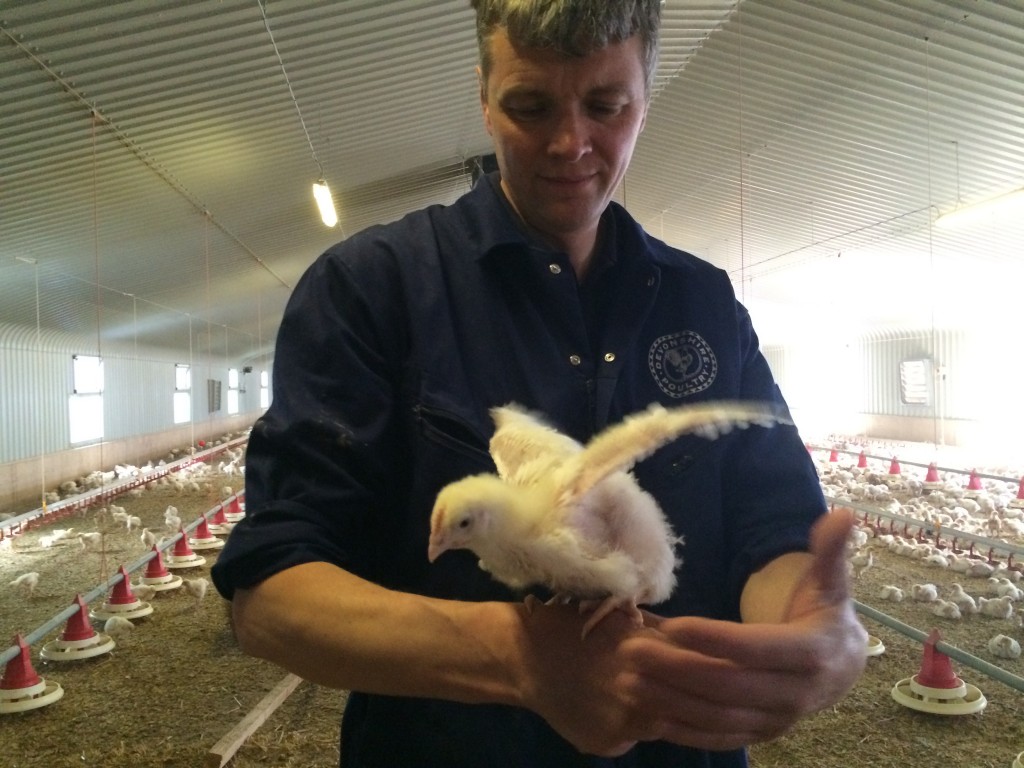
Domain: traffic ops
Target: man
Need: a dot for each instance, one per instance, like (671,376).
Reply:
(533,288)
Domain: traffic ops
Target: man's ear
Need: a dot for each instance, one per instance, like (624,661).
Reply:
(483,99)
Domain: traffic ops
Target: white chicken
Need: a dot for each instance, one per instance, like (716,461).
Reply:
(27,581)
(1004,647)
(924,593)
(117,626)
(571,517)
(891,593)
(197,587)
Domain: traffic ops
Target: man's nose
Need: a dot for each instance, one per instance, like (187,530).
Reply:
(571,137)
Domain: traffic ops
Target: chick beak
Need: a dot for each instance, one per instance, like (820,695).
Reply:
(437,547)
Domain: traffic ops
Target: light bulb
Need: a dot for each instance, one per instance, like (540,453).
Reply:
(326,204)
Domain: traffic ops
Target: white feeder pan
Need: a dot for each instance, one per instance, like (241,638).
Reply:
(135,610)
(875,646)
(193,561)
(965,699)
(1016,504)
(160,583)
(211,543)
(933,485)
(220,528)
(1019,762)
(35,696)
(233,517)
(72,650)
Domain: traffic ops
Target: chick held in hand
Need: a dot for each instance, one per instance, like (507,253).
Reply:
(572,518)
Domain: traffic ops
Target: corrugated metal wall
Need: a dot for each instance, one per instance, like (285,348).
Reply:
(36,381)
(834,383)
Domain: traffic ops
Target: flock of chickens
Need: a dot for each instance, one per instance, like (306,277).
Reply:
(113,532)
(968,582)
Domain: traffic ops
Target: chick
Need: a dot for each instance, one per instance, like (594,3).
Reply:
(27,581)
(572,518)
(117,626)
(197,587)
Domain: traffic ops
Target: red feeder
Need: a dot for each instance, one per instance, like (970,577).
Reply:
(183,556)
(155,568)
(157,576)
(217,518)
(974,484)
(833,456)
(932,476)
(181,547)
(1018,503)
(78,626)
(79,640)
(19,672)
(894,467)
(862,460)
(935,688)
(21,688)
(234,511)
(203,539)
(122,593)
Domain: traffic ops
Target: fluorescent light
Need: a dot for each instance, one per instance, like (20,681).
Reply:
(987,210)
(325,202)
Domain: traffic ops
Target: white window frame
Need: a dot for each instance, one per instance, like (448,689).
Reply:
(233,391)
(85,404)
(264,389)
(182,400)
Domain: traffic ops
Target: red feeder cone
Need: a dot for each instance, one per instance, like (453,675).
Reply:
(894,467)
(936,668)
(19,672)
(122,593)
(78,626)
(1018,503)
(122,602)
(974,483)
(79,640)
(183,556)
(833,455)
(234,511)
(157,576)
(21,688)
(203,539)
(936,688)
(862,460)
(219,523)
(932,481)
(155,568)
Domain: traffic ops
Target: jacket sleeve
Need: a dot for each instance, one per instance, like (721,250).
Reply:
(323,463)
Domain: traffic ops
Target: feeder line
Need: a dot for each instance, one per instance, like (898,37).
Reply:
(955,470)
(986,668)
(112,490)
(46,628)
(995,545)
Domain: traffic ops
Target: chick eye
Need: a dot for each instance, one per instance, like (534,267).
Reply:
(464,522)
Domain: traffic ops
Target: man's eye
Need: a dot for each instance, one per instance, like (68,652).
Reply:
(605,108)
(525,112)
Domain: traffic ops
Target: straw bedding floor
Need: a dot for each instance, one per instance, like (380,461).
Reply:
(176,684)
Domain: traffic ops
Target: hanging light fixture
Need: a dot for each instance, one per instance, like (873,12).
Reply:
(1001,206)
(322,194)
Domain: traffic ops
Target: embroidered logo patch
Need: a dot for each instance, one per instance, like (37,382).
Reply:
(682,363)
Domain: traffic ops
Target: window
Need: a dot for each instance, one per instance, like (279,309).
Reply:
(264,389)
(182,393)
(85,406)
(233,391)
(915,382)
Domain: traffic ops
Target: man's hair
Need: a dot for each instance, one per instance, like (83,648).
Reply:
(571,27)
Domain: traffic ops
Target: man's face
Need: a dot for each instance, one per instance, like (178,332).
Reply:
(564,129)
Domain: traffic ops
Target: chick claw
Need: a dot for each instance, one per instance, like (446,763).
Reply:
(601,609)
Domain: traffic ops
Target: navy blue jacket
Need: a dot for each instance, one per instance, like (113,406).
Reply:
(393,348)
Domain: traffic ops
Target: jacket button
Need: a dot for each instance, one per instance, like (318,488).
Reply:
(554,269)
(574,360)
(609,357)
